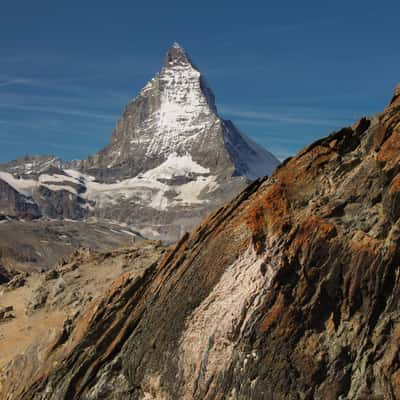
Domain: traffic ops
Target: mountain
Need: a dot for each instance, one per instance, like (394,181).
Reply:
(290,291)
(171,160)
(175,115)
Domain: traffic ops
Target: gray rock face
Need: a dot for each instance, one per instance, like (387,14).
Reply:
(15,204)
(30,166)
(61,203)
(171,160)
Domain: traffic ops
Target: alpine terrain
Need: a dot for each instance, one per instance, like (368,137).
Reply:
(171,160)
(290,291)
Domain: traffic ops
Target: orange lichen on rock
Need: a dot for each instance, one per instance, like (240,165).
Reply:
(363,242)
(390,151)
(269,212)
(311,229)
(273,314)
(395,184)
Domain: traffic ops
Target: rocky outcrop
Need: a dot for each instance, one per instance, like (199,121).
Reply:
(6,313)
(31,166)
(61,203)
(15,205)
(291,291)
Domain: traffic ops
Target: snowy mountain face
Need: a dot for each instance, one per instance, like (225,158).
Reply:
(170,161)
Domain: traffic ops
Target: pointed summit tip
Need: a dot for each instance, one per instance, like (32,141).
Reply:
(176,45)
(176,55)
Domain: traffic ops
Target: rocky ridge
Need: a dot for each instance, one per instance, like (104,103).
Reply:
(290,291)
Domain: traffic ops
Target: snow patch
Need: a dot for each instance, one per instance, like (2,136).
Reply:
(190,192)
(147,190)
(23,186)
(184,112)
(175,166)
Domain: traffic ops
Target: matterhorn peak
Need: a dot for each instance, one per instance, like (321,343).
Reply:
(177,56)
(175,113)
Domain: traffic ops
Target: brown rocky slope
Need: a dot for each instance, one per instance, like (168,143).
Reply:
(43,306)
(291,291)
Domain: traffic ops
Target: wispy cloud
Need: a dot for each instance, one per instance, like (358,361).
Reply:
(279,117)
(69,86)
(14,81)
(61,111)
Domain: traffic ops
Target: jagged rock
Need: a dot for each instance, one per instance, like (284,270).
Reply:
(38,299)
(52,274)
(66,268)
(6,313)
(31,166)
(396,96)
(58,287)
(74,296)
(290,291)
(17,281)
(73,266)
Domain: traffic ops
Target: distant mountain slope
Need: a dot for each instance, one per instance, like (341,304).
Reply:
(170,162)
(290,291)
(27,246)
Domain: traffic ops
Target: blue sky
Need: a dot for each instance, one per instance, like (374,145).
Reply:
(285,72)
